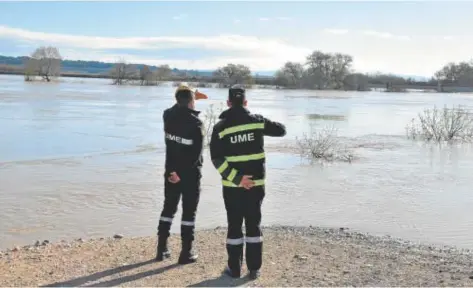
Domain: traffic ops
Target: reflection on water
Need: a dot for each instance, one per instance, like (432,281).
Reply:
(82,158)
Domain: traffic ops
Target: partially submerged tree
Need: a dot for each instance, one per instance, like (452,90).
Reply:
(356,81)
(122,72)
(163,72)
(44,62)
(234,74)
(328,70)
(448,124)
(290,75)
(146,76)
(461,73)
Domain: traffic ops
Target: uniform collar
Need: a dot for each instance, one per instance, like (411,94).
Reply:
(234,111)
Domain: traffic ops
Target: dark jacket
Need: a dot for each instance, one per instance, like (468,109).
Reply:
(184,140)
(237,145)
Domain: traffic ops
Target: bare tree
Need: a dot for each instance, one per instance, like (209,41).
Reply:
(356,81)
(163,72)
(327,70)
(146,76)
(290,74)
(341,65)
(210,118)
(461,73)
(234,74)
(44,62)
(122,72)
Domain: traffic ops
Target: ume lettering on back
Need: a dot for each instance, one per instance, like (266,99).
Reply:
(240,138)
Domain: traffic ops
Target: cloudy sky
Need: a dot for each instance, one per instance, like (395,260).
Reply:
(397,37)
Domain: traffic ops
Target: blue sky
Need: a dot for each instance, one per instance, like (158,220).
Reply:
(413,38)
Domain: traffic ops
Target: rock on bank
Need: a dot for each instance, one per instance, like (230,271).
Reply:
(292,257)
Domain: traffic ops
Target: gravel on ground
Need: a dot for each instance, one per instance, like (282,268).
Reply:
(293,256)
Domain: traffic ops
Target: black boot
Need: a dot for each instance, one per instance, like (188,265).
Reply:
(235,260)
(162,249)
(254,274)
(231,273)
(187,256)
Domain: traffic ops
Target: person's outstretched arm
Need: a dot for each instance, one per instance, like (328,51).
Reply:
(273,128)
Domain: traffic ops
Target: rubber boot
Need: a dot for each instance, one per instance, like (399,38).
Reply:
(254,274)
(162,249)
(235,260)
(187,256)
(232,273)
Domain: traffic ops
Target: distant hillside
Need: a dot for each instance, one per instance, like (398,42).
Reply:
(91,67)
(96,67)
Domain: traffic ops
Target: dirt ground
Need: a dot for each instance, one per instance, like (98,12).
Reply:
(292,257)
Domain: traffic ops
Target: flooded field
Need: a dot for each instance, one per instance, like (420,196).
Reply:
(82,158)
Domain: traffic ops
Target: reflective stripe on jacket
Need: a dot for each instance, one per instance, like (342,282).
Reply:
(237,145)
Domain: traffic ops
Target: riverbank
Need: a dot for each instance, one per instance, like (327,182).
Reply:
(292,257)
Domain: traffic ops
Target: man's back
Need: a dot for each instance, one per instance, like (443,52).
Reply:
(237,152)
(183,138)
(239,137)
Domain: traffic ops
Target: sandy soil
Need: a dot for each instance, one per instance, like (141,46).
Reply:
(292,257)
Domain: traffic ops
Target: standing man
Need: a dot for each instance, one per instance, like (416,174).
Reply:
(237,152)
(184,143)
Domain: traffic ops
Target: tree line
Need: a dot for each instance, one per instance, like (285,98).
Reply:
(320,71)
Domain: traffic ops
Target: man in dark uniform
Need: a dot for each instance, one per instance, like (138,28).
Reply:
(237,152)
(184,143)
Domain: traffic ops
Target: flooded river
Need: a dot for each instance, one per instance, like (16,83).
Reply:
(83,158)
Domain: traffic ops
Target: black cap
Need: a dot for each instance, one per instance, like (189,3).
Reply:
(237,94)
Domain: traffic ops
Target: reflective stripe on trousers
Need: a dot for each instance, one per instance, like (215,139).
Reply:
(238,241)
(258,239)
(166,219)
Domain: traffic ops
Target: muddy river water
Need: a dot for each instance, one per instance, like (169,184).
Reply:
(82,158)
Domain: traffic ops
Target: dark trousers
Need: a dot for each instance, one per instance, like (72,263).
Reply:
(189,188)
(244,205)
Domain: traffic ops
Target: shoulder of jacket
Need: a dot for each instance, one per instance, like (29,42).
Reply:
(195,120)
(166,112)
(219,125)
(258,117)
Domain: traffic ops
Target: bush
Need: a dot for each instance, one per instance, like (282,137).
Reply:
(210,118)
(439,125)
(324,144)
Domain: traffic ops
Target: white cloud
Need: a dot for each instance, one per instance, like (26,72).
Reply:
(283,18)
(385,35)
(335,31)
(179,17)
(372,50)
(263,19)
(259,53)
(236,21)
